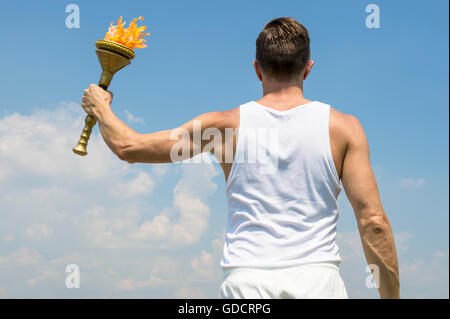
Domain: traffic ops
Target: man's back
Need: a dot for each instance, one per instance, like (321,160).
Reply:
(282,189)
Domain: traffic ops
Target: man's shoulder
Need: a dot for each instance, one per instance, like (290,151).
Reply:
(344,119)
(230,118)
(345,126)
(221,119)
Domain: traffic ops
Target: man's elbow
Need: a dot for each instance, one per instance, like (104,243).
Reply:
(374,223)
(126,151)
(125,155)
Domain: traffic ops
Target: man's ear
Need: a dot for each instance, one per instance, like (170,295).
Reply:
(257,70)
(308,68)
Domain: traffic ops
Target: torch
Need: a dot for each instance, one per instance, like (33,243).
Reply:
(114,53)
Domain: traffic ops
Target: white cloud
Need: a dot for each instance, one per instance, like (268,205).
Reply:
(160,169)
(217,245)
(130,284)
(203,266)
(22,256)
(142,184)
(162,271)
(402,241)
(39,231)
(193,215)
(63,184)
(133,119)
(99,212)
(441,254)
(412,182)
(425,277)
(40,145)
(189,292)
(45,275)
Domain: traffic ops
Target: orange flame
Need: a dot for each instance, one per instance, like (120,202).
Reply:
(131,37)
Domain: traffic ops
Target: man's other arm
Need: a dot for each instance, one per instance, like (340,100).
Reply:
(373,224)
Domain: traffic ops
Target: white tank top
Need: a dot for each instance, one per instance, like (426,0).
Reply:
(282,189)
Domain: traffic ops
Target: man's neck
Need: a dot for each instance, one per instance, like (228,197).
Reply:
(282,96)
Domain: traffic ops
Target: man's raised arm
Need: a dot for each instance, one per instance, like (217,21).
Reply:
(204,133)
(374,227)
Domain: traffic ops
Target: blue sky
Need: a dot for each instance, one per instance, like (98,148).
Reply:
(393,79)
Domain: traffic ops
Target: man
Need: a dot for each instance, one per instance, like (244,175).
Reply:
(281,230)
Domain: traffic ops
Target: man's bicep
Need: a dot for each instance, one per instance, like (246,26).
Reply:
(181,143)
(208,132)
(170,146)
(151,148)
(357,175)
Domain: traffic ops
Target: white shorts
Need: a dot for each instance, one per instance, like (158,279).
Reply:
(309,281)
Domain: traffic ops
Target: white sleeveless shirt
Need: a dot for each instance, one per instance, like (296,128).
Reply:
(282,189)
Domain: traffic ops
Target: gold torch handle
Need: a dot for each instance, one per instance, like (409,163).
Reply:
(89,123)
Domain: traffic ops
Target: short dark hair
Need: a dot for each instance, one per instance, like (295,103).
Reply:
(282,48)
